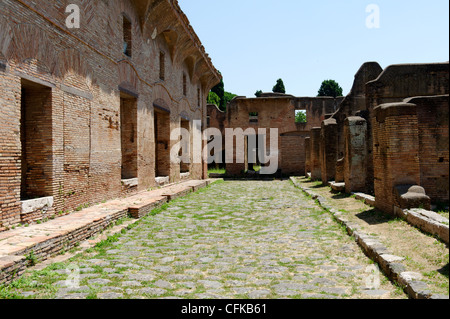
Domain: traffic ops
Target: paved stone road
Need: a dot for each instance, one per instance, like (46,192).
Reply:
(250,239)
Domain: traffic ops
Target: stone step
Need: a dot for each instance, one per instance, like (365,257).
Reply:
(141,209)
(337,187)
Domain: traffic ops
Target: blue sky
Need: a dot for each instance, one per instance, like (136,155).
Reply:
(255,42)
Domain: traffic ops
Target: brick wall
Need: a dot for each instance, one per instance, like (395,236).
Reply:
(339,178)
(277,112)
(328,150)
(396,151)
(76,130)
(293,155)
(316,172)
(398,82)
(307,154)
(10,167)
(355,101)
(78,154)
(432,115)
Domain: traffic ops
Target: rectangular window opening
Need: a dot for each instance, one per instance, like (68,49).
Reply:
(162,66)
(127,35)
(300,116)
(253,117)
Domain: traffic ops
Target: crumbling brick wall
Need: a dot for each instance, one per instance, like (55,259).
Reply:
(355,101)
(293,154)
(398,82)
(275,111)
(433,120)
(396,151)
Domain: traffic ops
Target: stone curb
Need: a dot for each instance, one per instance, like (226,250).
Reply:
(427,221)
(369,200)
(390,264)
(14,264)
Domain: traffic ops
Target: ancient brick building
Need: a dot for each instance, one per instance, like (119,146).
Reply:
(86,112)
(276,111)
(390,136)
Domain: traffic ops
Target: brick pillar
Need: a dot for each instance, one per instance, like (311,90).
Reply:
(433,120)
(328,150)
(10,164)
(339,178)
(234,168)
(315,154)
(307,155)
(355,162)
(396,151)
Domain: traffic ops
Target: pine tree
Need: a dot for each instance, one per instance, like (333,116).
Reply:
(330,88)
(279,87)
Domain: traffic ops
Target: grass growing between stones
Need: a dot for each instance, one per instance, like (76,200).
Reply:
(231,240)
(423,253)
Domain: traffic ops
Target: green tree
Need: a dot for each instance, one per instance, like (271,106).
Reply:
(228,97)
(213,98)
(258,93)
(223,96)
(279,87)
(219,89)
(330,88)
(300,117)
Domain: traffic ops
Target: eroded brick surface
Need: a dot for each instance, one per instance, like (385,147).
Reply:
(78,111)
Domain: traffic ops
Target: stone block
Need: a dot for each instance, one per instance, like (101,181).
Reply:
(411,196)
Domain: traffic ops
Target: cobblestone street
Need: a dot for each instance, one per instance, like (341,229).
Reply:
(243,239)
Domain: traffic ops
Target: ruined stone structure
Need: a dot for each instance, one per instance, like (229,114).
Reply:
(86,113)
(390,136)
(274,111)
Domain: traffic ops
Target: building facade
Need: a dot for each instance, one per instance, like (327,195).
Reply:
(86,112)
(271,111)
